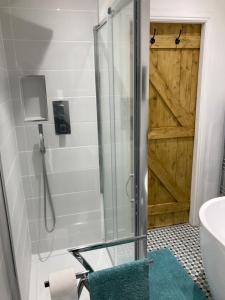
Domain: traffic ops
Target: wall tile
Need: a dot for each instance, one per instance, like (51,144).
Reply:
(62,183)
(82,134)
(63,25)
(78,114)
(4,285)
(5,128)
(6,114)
(52,4)
(82,109)
(4,86)
(9,154)
(65,225)
(78,236)
(70,83)
(10,55)
(60,160)
(25,263)
(18,222)
(45,55)
(65,204)
(2,54)
(59,83)
(6,23)
(16,193)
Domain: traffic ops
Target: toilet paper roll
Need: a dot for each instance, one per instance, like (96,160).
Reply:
(63,285)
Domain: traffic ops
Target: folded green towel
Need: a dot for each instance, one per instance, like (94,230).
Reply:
(169,280)
(129,281)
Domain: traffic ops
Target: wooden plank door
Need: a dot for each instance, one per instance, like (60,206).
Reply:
(173,91)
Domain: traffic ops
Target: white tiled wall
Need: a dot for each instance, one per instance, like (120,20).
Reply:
(14,188)
(55,39)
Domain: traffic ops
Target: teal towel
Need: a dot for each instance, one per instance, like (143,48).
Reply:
(129,281)
(169,280)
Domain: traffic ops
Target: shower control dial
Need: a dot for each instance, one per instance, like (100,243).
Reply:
(61,117)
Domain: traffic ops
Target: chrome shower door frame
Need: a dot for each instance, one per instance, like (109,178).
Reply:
(141,92)
(140,123)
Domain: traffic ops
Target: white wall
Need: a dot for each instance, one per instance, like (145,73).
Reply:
(14,189)
(55,39)
(211,130)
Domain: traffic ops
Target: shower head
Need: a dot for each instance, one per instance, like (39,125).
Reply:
(42,141)
(40,128)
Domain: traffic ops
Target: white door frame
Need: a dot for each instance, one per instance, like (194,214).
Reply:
(198,153)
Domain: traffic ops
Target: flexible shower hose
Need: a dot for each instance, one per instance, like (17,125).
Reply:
(47,194)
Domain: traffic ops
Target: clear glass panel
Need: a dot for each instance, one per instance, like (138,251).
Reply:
(105,132)
(122,25)
(115,117)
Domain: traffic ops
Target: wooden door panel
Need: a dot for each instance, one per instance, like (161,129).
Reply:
(194,80)
(168,219)
(167,41)
(173,90)
(170,132)
(169,98)
(158,108)
(159,191)
(166,179)
(165,208)
(185,80)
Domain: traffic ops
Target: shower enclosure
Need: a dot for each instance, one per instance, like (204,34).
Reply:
(75,184)
(121,66)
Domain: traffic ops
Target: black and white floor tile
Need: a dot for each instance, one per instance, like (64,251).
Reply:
(184,242)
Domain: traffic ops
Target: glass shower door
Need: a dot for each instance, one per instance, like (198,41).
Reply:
(105,132)
(121,21)
(123,91)
(118,124)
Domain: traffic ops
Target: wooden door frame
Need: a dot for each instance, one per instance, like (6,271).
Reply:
(198,152)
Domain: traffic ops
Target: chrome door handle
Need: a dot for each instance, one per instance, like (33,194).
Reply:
(127,192)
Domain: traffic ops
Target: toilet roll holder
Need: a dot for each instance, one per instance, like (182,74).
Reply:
(83,277)
(76,252)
